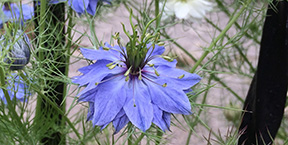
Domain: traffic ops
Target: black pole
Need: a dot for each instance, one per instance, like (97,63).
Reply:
(266,97)
(50,121)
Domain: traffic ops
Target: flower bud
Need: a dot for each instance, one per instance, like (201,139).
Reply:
(19,53)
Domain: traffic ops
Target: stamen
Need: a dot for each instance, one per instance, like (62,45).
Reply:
(127,78)
(97,83)
(140,75)
(109,64)
(128,71)
(112,66)
(105,48)
(167,58)
(164,85)
(151,65)
(182,76)
(155,71)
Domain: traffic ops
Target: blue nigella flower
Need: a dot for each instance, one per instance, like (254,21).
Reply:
(80,6)
(16,88)
(121,88)
(12,12)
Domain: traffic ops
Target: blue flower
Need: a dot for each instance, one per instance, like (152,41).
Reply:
(81,6)
(141,92)
(12,12)
(16,88)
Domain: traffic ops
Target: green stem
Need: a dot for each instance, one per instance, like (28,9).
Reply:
(139,139)
(12,111)
(236,46)
(130,134)
(159,134)
(220,36)
(199,113)
(42,26)
(157,13)
(54,106)
(194,59)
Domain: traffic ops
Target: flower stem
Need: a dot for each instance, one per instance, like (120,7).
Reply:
(139,139)
(12,111)
(53,105)
(214,42)
(159,136)
(157,13)
(130,133)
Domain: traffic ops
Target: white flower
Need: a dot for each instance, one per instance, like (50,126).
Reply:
(187,9)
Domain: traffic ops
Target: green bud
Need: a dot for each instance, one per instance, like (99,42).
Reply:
(164,85)
(96,84)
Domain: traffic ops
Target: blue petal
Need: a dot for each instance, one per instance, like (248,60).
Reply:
(78,5)
(138,107)
(157,50)
(171,77)
(91,9)
(95,74)
(169,99)
(90,111)
(161,61)
(88,95)
(16,88)
(120,121)
(15,15)
(93,54)
(161,118)
(56,1)
(109,100)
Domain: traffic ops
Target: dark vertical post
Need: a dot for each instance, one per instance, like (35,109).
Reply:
(49,118)
(267,94)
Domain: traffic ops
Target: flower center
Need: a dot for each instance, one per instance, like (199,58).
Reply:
(184,1)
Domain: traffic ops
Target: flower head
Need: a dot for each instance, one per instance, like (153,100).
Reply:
(136,84)
(16,88)
(81,6)
(12,13)
(187,9)
(15,49)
